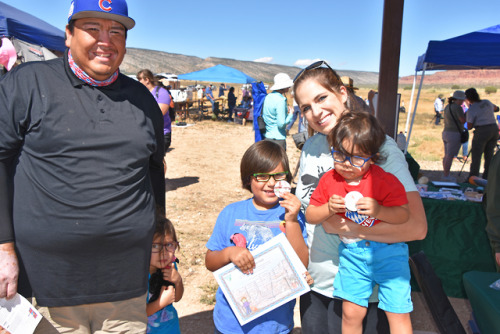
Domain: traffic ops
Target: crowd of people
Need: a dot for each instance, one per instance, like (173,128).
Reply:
(83,228)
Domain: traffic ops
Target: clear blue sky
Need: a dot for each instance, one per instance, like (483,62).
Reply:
(294,32)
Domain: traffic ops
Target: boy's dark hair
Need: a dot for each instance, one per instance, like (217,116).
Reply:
(362,129)
(164,226)
(262,157)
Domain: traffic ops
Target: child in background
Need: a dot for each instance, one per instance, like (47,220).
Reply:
(258,219)
(165,283)
(356,140)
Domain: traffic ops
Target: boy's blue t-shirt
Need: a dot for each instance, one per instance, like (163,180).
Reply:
(165,320)
(258,227)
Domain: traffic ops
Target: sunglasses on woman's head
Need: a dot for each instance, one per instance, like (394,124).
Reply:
(314,65)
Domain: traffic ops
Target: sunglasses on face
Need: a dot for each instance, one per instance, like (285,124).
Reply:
(354,160)
(314,65)
(264,177)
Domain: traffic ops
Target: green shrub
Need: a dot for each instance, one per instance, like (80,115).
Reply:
(407,87)
(490,90)
(455,87)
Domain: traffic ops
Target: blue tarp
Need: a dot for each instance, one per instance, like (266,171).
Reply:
(28,28)
(475,50)
(258,95)
(218,73)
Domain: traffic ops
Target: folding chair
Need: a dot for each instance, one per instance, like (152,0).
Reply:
(442,311)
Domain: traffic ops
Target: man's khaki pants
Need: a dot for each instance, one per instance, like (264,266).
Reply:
(127,316)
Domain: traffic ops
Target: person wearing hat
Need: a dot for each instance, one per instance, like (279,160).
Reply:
(275,111)
(81,174)
(438,108)
(454,119)
(349,85)
(481,117)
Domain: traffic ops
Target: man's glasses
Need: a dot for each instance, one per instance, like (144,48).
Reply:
(264,177)
(314,65)
(170,246)
(354,160)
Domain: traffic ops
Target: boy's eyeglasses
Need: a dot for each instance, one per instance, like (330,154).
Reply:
(314,65)
(264,177)
(170,246)
(354,160)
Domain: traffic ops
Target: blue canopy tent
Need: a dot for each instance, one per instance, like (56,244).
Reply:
(475,50)
(218,73)
(26,27)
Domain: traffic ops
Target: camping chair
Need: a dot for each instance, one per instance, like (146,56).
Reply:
(442,311)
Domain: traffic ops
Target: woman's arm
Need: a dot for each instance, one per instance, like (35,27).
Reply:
(164,108)
(414,229)
(389,214)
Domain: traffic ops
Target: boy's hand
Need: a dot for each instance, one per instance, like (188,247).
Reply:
(308,278)
(243,259)
(368,206)
(336,204)
(292,206)
(167,296)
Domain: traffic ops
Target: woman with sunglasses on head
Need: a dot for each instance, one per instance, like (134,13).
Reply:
(323,99)
(256,221)
(362,192)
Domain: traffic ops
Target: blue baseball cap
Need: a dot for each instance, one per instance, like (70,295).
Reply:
(115,10)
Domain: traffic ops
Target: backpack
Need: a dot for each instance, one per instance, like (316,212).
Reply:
(172,103)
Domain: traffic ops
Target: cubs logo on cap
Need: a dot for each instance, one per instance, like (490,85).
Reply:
(115,10)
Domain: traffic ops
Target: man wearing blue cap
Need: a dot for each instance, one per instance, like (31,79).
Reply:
(81,173)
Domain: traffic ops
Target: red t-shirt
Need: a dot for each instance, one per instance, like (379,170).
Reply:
(376,184)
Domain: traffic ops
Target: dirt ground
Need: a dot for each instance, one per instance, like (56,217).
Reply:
(202,178)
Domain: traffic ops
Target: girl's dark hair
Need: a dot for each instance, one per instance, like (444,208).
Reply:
(362,129)
(262,157)
(164,226)
(329,79)
(472,95)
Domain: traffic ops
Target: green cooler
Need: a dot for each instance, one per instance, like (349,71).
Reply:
(485,301)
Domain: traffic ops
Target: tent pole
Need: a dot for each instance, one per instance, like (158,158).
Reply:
(415,109)
(411,103)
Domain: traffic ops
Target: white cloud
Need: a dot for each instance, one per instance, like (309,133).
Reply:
(305,62)
(264,60)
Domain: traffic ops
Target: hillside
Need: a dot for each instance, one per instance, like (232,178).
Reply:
(158,61)
(462,78)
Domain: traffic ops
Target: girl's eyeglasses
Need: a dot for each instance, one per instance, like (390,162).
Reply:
(170,246)
(314,65)
(264,177)
(354,160)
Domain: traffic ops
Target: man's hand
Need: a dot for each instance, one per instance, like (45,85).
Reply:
(9,270)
